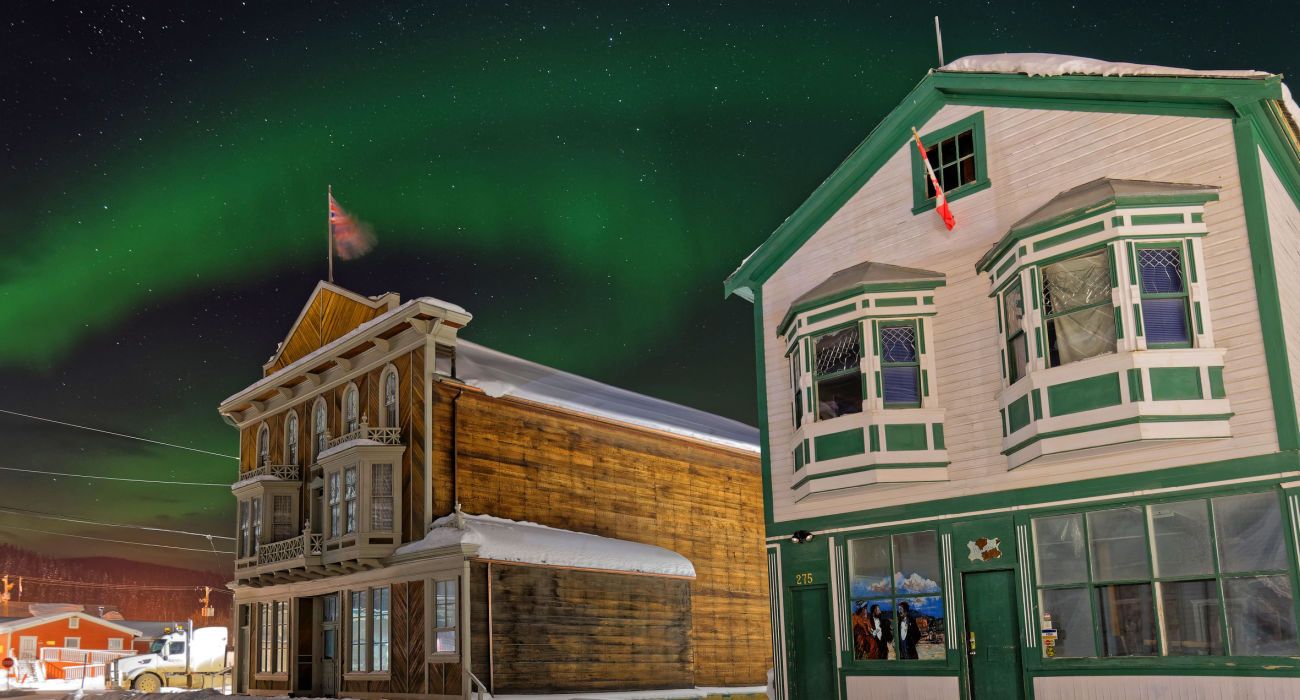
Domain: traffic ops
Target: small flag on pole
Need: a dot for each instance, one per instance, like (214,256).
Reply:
(351,238)
(940,199)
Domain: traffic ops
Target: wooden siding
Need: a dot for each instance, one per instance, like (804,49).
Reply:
(406,659)
(526,462)
(1033,155)
(555,630)
(1284,229)
(329,315)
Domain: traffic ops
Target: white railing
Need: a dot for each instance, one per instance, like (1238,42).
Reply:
(290,549)
(386,436)
(69,655)
(477,686)
(286,472)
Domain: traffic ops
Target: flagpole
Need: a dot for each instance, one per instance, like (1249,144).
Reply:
(329,233)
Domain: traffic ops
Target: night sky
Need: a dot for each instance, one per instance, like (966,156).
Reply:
(581,177)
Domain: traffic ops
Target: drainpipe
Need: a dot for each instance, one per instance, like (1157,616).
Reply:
(467,686)
(430,351)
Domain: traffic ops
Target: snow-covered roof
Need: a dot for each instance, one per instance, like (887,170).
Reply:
(1059,64)
(499,539)
(24,623)
(1107,189)
(500,374)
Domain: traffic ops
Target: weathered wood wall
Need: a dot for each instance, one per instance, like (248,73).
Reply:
(328,317)
(556,630)
(527,462)
(410,390)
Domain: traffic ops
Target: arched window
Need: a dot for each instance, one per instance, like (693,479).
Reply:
(319,428)
(350,413)
(263,445)
(389,417)
(291,438)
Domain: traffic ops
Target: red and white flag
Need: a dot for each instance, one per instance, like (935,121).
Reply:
(940,199)
(351,238)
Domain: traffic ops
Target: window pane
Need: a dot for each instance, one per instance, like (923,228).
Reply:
(838,351)
(1249,533)
(1191,618)
(897,344)
(901,385)
(840,396)
(1076,282)
(949,177)
(966,143)
(1182,536)
(1068,612)
(1162,270)
(1165,320)
(948,150)
(916,563)
(920,628)
(1058,549)
(1080,335)
(873,629)
(1261,616)
(1013,307)
(1127,620)
(1117,542)
(968,170)
(1018,356)
(447,641)
(869,567)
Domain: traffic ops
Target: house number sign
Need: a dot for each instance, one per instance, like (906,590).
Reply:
(803,579)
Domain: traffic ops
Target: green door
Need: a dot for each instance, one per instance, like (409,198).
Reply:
(812,651)
(993,666)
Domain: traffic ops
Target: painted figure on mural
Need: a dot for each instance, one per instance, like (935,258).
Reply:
(908,634)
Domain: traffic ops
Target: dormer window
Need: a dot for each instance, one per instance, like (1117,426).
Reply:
(1077,308)
(351,420)
(291,438)
(837,374)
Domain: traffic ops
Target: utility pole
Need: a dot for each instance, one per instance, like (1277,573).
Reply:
(5,587)
(207,610)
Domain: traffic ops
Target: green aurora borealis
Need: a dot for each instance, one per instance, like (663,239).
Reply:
(580,177)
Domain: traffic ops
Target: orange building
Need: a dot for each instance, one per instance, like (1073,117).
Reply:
(64,639)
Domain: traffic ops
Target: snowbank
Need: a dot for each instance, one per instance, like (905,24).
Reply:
(499,539)
(499,374)
(1057,64)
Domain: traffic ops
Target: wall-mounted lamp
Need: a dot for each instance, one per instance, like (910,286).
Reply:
(801,537)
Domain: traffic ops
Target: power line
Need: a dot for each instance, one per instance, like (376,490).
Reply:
(90,584)
(121,435)
(113,478)
(53,516)
(105,539)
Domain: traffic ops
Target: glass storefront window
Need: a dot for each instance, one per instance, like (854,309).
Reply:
(897,607)
(1199,577)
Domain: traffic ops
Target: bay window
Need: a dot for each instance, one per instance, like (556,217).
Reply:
(255,514)
(1013,314)
(837,372)
(335,504)
(1197,577)
(796,387)
(349,500)
(245,529)
(381,497)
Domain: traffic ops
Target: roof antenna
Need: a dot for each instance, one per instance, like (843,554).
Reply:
(938,40)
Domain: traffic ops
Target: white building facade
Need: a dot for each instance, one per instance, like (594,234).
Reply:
(1053,452)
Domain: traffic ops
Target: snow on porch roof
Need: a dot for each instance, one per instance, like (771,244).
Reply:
(499,539)
(1060,64)
(499,374)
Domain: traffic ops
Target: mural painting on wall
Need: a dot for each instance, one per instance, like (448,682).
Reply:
(897,609)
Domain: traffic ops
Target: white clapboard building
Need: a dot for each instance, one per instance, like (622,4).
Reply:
(1051,453)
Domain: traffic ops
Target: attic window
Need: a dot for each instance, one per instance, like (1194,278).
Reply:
(958,156)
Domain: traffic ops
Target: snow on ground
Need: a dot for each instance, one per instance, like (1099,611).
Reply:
(529,543)
(683,694)
(52,685)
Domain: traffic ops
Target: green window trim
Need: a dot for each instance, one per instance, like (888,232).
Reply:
(1015,333)
(915,325)
(818,378)
(975,124)
(1180,247)
(893,537)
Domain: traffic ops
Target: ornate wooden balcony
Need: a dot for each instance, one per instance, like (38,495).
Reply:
(283,472)
(383,436)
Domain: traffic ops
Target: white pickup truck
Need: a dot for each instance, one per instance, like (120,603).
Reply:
(173,659)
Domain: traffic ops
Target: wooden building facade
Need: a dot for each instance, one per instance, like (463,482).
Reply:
(357,574)
(1053,452)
